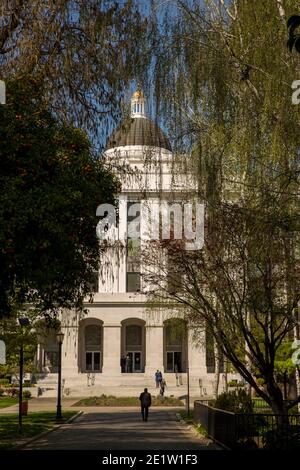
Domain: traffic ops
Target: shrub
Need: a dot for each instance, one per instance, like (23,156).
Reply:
(235,383)
(1,392)
(12,392)
(26,394)
(238,402)
(4,382)
(282,438)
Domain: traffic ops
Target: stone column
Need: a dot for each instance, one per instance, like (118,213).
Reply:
(154,349)
(123,241)
(111,349)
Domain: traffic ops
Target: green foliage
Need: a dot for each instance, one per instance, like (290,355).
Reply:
(85,52)
(14,336)
(227,99)
(8,401)
(238,402)
(33,424)
(285,437)
(110,400)
(4,382)
(283,360)
(51,184)
(26,394)
(201,430)
(235,383)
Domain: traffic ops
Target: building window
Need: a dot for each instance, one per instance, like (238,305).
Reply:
(133,337)
(133,282)
(133,259)
(93,361)
(133,349)
(175,346)
(93,348)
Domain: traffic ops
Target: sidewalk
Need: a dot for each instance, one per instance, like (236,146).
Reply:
(120,429)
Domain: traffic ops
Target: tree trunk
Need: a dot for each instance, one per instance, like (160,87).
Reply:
(278,404)
(225,375)
(217,372)
(285,385)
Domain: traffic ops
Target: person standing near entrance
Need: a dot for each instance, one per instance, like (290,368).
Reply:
(145,399)
(157,377)
(123,363)
(128,364)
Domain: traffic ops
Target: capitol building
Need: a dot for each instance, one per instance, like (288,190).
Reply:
(121,341)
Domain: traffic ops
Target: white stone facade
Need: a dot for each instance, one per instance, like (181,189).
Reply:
(119,321)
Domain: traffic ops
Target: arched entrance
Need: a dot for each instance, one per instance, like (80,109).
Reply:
(175,345)
(133,346)
(91,345)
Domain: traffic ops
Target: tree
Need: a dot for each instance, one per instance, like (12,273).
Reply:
(228,102)
(14,336)
(235,289)
(284,366)
(86,52)
(51,184)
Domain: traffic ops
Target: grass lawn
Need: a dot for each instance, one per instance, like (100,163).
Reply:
(7,401)
(33,424)
(110,400)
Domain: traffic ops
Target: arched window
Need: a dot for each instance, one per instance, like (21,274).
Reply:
(133,347)
(175,354)
(133,337)
(92,337)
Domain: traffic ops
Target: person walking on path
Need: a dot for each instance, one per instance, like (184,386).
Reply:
(145,399)
(163,385)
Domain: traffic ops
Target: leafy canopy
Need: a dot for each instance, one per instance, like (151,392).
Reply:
(50,187)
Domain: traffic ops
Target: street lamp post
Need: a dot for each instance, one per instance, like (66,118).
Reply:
(23,321)
(60,338)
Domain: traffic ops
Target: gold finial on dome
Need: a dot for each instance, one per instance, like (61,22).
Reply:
(138,94)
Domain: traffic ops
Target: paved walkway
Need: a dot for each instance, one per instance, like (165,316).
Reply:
(120,429)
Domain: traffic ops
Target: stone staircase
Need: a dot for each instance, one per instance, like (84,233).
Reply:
(82,385)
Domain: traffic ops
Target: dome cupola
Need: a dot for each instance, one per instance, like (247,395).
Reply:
(138,105)
(139,129)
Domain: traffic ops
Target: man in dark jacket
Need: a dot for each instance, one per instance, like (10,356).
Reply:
(145,399)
